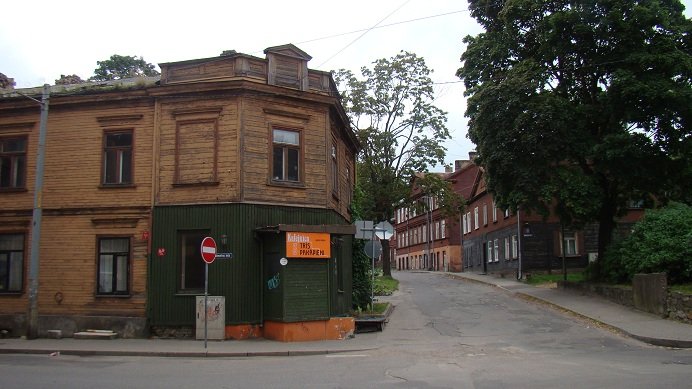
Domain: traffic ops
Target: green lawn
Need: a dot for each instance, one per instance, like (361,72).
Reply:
(385,285)
(536,279)
(684,288)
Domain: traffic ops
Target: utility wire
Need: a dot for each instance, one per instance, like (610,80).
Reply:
(363,34)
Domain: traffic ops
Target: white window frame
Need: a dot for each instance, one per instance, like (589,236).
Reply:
(475,218)
(570,237)
(515,246)
(485,214)
(496,249)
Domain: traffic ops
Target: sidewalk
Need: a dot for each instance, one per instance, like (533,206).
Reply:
(636,324)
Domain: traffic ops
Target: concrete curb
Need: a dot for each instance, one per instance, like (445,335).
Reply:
(675,343)
(180,354)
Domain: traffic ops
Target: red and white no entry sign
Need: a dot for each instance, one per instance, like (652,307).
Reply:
(208,249)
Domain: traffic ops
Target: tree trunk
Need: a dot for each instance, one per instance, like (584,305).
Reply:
(606,228)
(386,261)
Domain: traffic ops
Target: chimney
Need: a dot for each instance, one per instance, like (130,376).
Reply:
(448,169)
(460,164)
(472,155)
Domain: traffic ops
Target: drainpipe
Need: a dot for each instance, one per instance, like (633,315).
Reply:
(519,270)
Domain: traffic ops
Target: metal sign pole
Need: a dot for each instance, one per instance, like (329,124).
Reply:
(372,284)
(206,308)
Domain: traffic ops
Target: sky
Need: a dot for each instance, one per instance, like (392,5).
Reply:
(42,39)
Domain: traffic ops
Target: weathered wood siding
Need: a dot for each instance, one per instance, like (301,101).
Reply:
(198,151)
(74,156)
(78,209)
(260,116)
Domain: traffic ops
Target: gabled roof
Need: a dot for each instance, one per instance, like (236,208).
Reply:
(289,50)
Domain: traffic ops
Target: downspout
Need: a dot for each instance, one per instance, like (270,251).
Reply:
(461,243)
(519,270)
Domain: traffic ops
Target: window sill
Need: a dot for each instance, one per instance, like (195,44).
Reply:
(117,186)
(13,190)
(287,184)
(15,294)
(117,296)
(189,293)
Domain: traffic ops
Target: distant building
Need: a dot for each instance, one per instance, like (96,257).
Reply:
(487,239)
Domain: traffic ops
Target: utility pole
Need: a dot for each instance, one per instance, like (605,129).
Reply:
(32,315)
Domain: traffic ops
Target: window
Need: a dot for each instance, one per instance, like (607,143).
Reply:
(515,246)
(485,214)
(463,223)
(286,160)
(490,251)
(437,230)
(507,253)
(570,242)
(494,212)
(496,250)
(117,158)
(442,227)
(468,220)
(475,218)
(114,263)
(12,163)
(11,263)
(335,170)
(191,263)
(507,212)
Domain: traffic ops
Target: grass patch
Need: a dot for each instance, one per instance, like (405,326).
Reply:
(537,279)
(385,285)
(378,309)
(682,288)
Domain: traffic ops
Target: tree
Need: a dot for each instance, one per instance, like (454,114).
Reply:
(68,80)
(660,242)
(119,66)
(400,129)
(583,104)
(6,82)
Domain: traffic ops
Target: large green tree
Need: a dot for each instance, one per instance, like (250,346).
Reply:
(392,109)
(122,66)
(584,104)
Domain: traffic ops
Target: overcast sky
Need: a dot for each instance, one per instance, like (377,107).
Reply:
(42,39)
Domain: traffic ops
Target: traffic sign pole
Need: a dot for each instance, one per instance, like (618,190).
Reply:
(208,251)
(206,307)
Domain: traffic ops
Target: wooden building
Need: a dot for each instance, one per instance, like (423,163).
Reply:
(244,149)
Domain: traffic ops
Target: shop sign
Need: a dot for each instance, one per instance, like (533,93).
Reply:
(308,245)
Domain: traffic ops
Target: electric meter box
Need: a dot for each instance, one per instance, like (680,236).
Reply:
(216,318)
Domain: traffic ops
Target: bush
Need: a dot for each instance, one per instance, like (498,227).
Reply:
(660,242)
(362,279)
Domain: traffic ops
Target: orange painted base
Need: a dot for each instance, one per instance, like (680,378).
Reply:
(335,328)
(244,331)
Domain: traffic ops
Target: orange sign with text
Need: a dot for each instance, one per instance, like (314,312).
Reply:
(308,245)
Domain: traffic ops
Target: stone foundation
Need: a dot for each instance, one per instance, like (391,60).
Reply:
(126,327)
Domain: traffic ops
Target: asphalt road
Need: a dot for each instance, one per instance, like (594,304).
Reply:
(444,333)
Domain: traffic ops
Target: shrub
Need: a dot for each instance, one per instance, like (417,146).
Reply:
(660,242)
